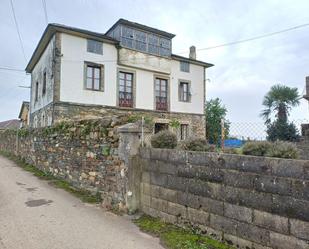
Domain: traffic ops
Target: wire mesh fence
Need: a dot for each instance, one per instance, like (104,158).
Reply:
(238,131)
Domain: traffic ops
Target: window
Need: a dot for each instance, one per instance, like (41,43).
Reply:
(94,47)
(184,91)
(94,77)
(44,84)
(184,66)
(125,89)
(36,94)
(165,47)
(183,131)
(161,94)
(160,127)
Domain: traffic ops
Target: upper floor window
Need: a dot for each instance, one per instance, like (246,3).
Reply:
(161,91)
(125,89)
(44,84)
(184,91)
(185,66)
(94,46)
(36,93)
(94,77)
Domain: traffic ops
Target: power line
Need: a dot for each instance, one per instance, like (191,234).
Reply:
(253,38)
(45,11)
(18,32)
(12,69)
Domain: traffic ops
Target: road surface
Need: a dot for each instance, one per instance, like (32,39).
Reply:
(35,215)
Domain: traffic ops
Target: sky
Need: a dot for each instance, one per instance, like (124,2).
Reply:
(242,74)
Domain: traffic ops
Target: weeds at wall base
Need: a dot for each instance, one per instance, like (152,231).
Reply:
(83,195)
(173,237)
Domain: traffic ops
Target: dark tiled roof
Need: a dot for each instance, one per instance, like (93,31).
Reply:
(142,27)
(10,124)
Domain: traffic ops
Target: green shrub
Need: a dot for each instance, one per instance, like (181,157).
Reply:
(278,149)
(164,139)
(282,130)
(256,148)
(196,144)
(283,150)
(231,150)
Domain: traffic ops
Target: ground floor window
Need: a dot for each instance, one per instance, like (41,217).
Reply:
(160,127)
(184,131)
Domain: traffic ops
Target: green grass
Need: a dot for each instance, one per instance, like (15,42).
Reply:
(83,195)
(173,237)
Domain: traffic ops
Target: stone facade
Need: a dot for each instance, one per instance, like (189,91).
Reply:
(251,202)
(70,111)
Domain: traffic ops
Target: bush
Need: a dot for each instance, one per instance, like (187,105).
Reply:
(278,149)
(229,150)
(164,139)
(283,150)
(196,144)
(256,148)
(282,130)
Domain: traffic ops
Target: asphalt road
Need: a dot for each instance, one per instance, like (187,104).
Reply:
(35,215)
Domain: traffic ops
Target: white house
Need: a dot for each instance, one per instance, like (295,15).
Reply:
(77,74)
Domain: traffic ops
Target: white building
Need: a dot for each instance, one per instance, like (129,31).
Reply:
(78,74)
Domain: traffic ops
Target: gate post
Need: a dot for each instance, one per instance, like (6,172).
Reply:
(129,143)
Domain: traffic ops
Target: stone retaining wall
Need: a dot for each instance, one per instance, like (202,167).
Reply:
(84,153)
(252,202)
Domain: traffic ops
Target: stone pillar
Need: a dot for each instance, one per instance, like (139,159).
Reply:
(129,143)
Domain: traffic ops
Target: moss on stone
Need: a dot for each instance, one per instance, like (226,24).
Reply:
(174,237)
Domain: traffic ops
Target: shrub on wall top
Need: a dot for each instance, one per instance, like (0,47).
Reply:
(278,149)
(196,144)
(256,148)
(164,139)
(283,150)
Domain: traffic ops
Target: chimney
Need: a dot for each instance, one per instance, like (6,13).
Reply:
(192,54)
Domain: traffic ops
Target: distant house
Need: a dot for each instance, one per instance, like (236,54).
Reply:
(24,114)
(10,124)
(78,74)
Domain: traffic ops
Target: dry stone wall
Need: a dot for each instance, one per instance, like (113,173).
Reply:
(251,202)
(84,153)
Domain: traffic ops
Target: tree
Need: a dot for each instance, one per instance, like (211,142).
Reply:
(215,112)
(279,101)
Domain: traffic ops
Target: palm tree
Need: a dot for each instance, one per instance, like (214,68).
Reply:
(279,100)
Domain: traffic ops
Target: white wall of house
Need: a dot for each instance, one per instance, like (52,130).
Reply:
(44,64)
(74,54)
(196,79)
(74,51)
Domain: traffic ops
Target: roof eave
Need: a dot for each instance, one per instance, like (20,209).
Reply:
(196,62)
(140,26)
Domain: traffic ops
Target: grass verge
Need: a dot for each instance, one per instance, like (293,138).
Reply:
(83,195)
(173,237)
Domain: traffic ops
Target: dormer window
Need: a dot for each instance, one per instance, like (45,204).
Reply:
(94,46)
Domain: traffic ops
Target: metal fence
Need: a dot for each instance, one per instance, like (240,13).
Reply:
(238,131)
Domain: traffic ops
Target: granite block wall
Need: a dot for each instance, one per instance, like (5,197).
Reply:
(250,202)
